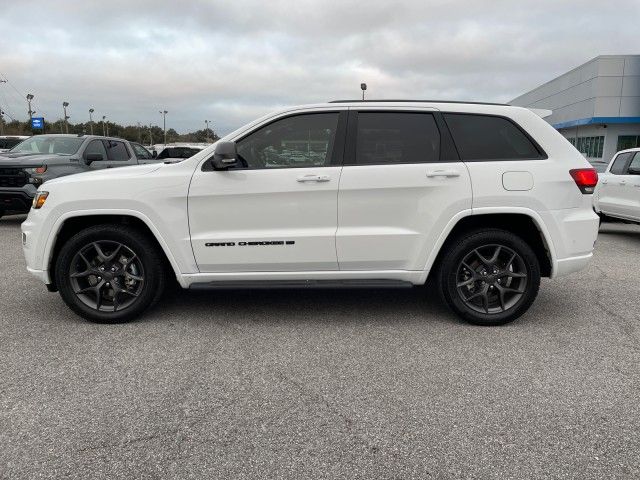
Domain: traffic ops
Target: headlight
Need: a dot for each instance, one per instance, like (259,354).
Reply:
(39,170)
(39,199)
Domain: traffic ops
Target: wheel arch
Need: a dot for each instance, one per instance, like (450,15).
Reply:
(524,223)
(73,223)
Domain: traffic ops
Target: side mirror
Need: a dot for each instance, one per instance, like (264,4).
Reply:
(154,154)
(224,156)
(93,157)
(634,171)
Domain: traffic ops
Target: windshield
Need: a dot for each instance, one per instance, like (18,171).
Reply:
(49,144)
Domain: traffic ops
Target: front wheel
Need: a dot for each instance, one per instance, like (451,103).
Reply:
(110,273)
(489,277)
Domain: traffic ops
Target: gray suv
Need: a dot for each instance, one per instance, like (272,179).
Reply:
(44,157)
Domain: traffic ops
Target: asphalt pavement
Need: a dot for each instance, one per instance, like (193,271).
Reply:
(317,384)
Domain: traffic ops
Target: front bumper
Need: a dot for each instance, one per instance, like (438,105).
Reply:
(17,200)
(33,245)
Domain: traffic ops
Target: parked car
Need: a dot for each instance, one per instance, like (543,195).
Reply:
(7,142)
(617,195)
(485,198)
(177,151)
(43,157)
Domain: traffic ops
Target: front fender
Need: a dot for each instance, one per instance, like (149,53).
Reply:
(49,245)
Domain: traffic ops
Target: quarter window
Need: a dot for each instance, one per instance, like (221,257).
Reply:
(396,138)
(620,163)
(298,141)
(485,137)
(116,151)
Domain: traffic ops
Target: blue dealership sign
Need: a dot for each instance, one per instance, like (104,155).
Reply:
(37,123)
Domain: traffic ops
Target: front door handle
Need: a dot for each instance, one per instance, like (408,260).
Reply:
(443,173)
(314,178)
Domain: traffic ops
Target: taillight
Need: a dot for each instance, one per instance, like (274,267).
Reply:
(586,179)
(40,169)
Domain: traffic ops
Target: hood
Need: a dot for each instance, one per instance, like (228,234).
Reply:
(32,159)
(108,174)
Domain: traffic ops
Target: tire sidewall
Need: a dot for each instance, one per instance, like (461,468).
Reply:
(461,248)
(133,239)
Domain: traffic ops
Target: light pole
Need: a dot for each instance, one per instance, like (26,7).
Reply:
(1,114)
(66,117)
(363,87)
(206,122)
(91,110)
(150,136)
(139,133)
(104,122)
(31,112)
(164,124)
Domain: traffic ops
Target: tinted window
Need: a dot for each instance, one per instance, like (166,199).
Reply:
(178,152)
(141,152)
(117,151)
(620,163)
(96,146)
(635,163)
(394,138)
(168,153)
(299,141)
(483,137)
(9,142)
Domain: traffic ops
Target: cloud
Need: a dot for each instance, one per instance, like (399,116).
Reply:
(231,61)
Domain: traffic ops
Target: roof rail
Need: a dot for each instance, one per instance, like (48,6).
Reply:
(419,101)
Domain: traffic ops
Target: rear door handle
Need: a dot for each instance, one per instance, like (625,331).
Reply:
(314,178)
(443,173)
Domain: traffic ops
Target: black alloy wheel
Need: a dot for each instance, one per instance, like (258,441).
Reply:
(106,276)
(110,273)
(489,277)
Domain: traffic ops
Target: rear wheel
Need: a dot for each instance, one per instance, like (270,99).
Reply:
(489,277)
(110,273)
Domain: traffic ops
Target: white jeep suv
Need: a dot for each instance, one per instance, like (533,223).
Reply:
(485,198)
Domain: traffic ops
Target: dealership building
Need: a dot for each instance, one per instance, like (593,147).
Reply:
(596,106)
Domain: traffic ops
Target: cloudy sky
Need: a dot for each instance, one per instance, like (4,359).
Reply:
(231,61)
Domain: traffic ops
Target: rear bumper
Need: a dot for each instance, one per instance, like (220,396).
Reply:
(565,266)
(573,236)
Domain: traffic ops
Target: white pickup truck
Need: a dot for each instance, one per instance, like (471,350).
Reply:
(485,198)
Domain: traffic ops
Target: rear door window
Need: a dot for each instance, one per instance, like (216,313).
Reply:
(621,163)
(486,137)
(117,151)
(385,138)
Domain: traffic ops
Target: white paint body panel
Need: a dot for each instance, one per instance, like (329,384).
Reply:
(367,222)
(389,216)
(618,195)
(264,205)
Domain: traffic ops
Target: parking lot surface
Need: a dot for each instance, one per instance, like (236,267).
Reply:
(326,383)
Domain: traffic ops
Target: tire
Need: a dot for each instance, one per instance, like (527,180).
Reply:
(486,293)
(114,282)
